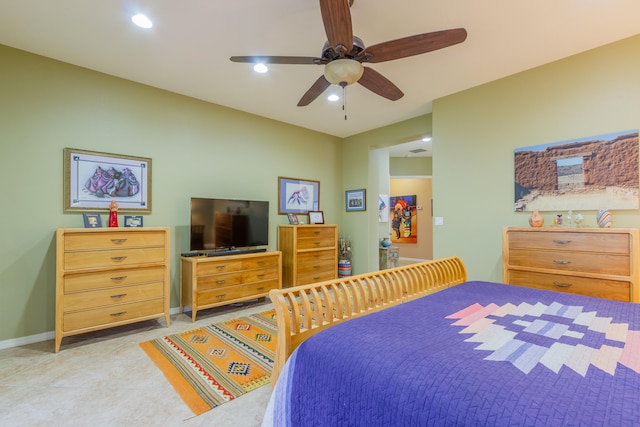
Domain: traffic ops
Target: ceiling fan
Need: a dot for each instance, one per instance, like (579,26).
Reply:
(343,54)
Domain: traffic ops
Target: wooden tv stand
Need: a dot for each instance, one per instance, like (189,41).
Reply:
(208,282)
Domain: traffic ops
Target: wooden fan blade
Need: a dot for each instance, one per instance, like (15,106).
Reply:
(336,17)
(379,84)
(279,59)
(314,91)
(415,45)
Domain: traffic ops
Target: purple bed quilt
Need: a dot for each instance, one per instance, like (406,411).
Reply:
(477,354)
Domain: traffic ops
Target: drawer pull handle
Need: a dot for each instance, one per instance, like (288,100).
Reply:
(316,232)
(119,278)
(221,296)
(316,266)
(118,314)
(316,243)
(118,240)
(118,296)
(220,282)
(261,262)
(261,288)
(119,258)
(561,261)
(561,242)
(221,267)
(562,284)
(261,275)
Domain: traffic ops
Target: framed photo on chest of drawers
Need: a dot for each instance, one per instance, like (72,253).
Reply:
(597,262)
(108,277)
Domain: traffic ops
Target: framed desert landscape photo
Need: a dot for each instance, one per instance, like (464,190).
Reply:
(588,173)
(93,179)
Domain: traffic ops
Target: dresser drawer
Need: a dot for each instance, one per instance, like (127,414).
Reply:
(111,297)
(112,258)
(316,242)
(320,275)
(311,257)
(107,315)
(260,274)
(571,261)
(217,267)
(216,281)
(234,292)
(583,242)
(109,279)
(611,289)
(316,233)
(113,240)
(258,262)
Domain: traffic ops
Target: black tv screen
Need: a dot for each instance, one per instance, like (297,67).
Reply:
(226,223)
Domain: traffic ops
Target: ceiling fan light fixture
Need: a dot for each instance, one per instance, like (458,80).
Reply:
(142,21)
(347,71)
(260,68)
(333,97)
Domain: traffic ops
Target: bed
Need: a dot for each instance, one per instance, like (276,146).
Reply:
(421,345)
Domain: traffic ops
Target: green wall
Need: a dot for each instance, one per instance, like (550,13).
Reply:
(411,166)
(197,149)
(476,131)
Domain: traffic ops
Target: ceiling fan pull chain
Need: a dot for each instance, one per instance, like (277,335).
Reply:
(344,100)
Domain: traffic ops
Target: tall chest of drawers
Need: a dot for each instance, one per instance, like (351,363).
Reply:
(598,262)
(208,282)
(309,253)
(108,277)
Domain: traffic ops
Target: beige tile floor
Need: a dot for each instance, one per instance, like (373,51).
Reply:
(104,378)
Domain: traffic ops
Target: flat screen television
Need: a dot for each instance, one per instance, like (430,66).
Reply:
(218,224)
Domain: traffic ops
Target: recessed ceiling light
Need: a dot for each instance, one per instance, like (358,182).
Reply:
(426,139)
(142,21)
(260,68)
(333,97)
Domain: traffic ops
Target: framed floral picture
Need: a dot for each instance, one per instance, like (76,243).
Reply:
(92,180)
(298,196)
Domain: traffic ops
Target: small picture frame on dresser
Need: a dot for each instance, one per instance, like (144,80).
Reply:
(316,217)
(293,219)
(133,221)
(92,220)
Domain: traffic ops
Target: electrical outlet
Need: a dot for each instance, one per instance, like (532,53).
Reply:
(439,220)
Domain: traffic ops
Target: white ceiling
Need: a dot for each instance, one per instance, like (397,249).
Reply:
(188,49)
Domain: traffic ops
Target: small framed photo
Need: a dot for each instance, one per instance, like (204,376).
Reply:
(92,220)
(133,220)
(316,217)
(293,219)
(356,200)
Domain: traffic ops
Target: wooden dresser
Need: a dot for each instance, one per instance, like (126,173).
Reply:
(598,262)
(214,281)
(108,277)
(309,253)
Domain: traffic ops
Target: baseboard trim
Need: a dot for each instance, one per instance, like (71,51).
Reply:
(45,336)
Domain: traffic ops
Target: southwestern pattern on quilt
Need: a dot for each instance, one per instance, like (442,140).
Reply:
(473,355)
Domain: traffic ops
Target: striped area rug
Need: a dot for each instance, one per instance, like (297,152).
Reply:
(215,364)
